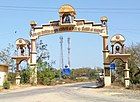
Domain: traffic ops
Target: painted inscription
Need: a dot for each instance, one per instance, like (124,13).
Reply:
(69,29)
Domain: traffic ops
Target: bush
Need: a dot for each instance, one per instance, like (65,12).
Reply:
(11,77)
(93,74)
(47,76)
(25,76)
(135,80)
(6,85)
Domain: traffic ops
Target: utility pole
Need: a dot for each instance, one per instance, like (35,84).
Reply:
(68,52)
(61,55)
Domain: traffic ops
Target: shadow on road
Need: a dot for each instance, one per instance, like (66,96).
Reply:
(87,85)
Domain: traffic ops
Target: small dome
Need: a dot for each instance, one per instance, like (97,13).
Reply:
(20,41)
(118,38)
(66,8)
(104,18)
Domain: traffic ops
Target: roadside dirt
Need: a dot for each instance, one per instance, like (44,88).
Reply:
(109,91)
(73,92)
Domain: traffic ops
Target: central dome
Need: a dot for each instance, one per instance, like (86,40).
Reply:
(66,8)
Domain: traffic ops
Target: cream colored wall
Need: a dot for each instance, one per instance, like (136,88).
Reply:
(2,77)
(3,72)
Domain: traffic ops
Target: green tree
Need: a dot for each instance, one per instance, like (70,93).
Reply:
(6,57)
(46,74)
(42,52)
(25,76)
(93,74)
(85,72)
(134,63)
(11,77)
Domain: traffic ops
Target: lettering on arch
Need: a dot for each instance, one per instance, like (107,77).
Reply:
(54,27)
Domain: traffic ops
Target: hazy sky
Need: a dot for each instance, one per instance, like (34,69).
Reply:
(86,49)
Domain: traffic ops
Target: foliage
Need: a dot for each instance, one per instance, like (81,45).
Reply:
(6,56)
(93,74)
(81,72)
(72,76)
(11,77)
(6,85)
(84,73)
(134,63)
(25,76)
(42,51)
(47,76)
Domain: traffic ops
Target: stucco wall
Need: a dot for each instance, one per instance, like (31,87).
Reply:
(3,72)
(2,77)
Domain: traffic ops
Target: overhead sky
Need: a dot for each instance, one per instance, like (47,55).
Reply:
(86,49)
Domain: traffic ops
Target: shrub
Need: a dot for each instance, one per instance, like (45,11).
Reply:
(11,77)
(46,77)
(25,76)
(6,85)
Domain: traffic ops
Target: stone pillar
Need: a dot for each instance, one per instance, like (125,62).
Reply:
(18,77)
(107,73)
(126,74)
(17,74)
(33,68)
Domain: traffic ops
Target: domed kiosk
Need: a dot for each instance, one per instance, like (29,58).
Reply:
(67,15)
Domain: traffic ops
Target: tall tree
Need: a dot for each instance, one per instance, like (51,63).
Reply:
(6,56)
(134,63)
(42,55)
(46,74)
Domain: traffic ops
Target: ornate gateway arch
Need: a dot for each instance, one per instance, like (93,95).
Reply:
(69,23)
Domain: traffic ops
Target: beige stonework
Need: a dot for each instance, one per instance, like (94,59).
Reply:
(74,25)
(3,68)
(78,25)
(107,80)
(3,73)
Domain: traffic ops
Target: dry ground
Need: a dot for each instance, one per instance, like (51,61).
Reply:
(69,93)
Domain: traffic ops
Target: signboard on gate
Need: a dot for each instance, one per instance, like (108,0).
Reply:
(66,71)
(112,66)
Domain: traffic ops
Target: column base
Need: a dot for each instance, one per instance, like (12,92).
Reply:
(33,77)
(127,83)
(18,80)
(107,80)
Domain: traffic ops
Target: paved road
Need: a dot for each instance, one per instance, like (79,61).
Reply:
(82,92)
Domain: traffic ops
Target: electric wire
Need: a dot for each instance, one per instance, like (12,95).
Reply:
(81,10)
(54,8)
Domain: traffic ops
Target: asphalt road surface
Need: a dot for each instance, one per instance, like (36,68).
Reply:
(80,92)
